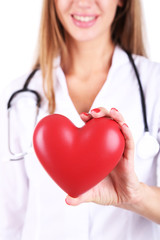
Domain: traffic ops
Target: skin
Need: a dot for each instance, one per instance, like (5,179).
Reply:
(84,77)
(104,10)
(121,188)
(91,50)
(122,183)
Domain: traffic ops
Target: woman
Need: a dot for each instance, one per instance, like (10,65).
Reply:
(85,72)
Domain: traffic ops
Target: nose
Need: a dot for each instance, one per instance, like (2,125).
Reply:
(84,3)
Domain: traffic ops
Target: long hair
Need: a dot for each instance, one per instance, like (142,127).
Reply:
(127,28)
(126,31)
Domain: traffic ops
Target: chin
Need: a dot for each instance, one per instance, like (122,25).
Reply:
(84,37)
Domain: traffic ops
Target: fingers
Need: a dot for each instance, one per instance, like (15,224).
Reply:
(103,112)
(72,201)
(86,197)
(85,116)
(129,143)
(100,112)
(95,113)
(117,116)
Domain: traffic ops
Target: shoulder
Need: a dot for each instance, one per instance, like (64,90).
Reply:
(149,72)
(147,67)
(14,87)
(144,65)
(18,84)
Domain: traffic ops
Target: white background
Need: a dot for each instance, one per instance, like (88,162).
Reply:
(19,25)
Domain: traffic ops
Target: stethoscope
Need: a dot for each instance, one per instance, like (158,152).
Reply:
(37,99)
(147,147)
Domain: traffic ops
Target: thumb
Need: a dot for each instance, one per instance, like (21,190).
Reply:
(72,201)
(85,197)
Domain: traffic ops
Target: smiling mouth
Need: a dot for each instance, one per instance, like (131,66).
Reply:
(84,18)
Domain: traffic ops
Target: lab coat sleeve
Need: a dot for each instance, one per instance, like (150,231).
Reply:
(158,161)
(13,184)
(158,137)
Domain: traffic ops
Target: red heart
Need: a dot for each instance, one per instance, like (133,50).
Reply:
(78,158)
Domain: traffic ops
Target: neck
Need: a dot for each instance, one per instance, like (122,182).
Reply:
(86,58)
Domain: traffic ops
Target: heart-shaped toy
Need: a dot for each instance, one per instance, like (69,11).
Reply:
(78,158)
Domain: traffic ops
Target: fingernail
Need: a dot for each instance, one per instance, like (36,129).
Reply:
(86,114)
(124,124)
(114,109)
(96,110)
(66,200)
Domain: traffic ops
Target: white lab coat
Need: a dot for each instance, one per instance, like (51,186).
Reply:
(32,206)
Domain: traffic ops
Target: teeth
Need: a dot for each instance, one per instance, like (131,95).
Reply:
(83,19)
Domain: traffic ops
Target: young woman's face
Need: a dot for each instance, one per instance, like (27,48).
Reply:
(86,20)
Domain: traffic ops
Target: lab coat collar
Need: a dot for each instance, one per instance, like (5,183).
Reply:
(119,57)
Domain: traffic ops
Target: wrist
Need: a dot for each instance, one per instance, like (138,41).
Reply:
(138,202)
(146,203)
(135,197)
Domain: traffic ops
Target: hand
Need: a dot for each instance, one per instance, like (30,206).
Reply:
(121,186)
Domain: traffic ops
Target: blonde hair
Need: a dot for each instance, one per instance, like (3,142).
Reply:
(126,31)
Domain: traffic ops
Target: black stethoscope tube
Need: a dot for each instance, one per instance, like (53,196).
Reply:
(148,145)
(146,128)
(26,89)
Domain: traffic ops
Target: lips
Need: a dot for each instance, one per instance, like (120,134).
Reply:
(84,21)
(84,18)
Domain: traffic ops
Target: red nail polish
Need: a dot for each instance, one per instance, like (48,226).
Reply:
(67,202)
(114,109)
(86,114)
(96,110)
(124,124)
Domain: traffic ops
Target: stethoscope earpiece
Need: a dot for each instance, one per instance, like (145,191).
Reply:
(148,146)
